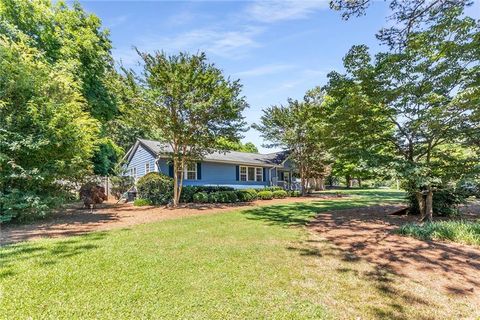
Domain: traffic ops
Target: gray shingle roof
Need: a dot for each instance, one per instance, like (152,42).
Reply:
(269,159)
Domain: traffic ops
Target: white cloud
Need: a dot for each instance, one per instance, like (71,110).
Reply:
(264,70)
(229,44)
(279,10)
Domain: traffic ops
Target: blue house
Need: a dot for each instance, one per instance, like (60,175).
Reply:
(222,168)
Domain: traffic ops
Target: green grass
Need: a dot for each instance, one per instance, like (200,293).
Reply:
(256,263)
(466,232)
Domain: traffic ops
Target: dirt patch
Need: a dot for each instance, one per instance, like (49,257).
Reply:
(75,220)
(367,233)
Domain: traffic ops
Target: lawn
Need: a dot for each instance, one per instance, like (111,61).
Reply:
(253,263)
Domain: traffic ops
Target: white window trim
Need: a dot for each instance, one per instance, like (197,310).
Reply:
(133,172)
(186,171)
(246,174)
(147,167)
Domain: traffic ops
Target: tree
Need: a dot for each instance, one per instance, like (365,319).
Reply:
(237,145)
(290,127)
(190,104)
(414,103)
(45,136)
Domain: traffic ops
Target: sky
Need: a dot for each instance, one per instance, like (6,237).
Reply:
(278,49)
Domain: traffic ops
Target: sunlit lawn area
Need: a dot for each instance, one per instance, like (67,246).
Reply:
(254,263)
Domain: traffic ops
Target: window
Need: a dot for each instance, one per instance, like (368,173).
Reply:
(243,173)
(251,173)
(259,174)
(133,172)
(191,171)
(147,167)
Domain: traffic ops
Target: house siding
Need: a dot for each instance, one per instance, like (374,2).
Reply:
(212,173)
(218,174)
(138,161)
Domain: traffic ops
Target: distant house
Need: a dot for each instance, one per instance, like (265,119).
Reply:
(222,168)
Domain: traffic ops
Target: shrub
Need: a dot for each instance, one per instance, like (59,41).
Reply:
(223,197)
(273,188)
(265,195)
(279,194)
(156,187)
(120,185)
(142,202)
(200,197)
(295,193)
(189,191)
(247,195)
(445,201)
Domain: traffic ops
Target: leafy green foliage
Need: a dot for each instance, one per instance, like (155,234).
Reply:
(247,195)
(142,202)
(186,97)
(188,192)
(155,187)
(467,232)
(237,145)
(200,197)
(265,195)
(223,197)
(120,185)
(280,194)
(45,136)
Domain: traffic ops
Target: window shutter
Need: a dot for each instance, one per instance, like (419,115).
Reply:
(170,170)
(264,174)
(237,172)
(199,171)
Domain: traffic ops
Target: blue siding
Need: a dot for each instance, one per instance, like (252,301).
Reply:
(213,174)
(218,174)
(138,161)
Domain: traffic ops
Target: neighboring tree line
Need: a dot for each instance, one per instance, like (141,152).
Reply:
(411,112)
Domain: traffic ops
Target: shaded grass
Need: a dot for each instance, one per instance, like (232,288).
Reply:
(461,231)
(255,263)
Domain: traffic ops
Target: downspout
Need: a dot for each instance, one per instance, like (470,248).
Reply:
(270,175)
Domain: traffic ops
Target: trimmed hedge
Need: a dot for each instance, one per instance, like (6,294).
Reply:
(274,188)
(223,197)
(247,195)
(155,187)
(294,193)
(200,197)
(280,194)
(188,192)
(265,195)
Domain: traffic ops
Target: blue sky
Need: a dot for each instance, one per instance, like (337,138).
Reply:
(278,49)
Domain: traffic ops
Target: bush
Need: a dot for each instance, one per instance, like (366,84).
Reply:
(189,191)
(294,193)
(223,197)
(265,195)
(200,197)
(120,185)
(445,201)
(142,202)
(274,188)
(247,195)
(155,187)
(279,194)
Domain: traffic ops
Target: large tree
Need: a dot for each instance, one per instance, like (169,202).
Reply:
(190,104)
(294,127)
(416,103)
(45,134)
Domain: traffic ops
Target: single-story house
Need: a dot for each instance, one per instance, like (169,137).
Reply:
(221,168)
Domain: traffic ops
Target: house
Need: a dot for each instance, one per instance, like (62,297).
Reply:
(221,168)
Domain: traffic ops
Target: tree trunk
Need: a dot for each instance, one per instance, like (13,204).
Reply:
(175,182)
(359,182)
(320,184)
(429,205)
(348,182)
(421,204)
